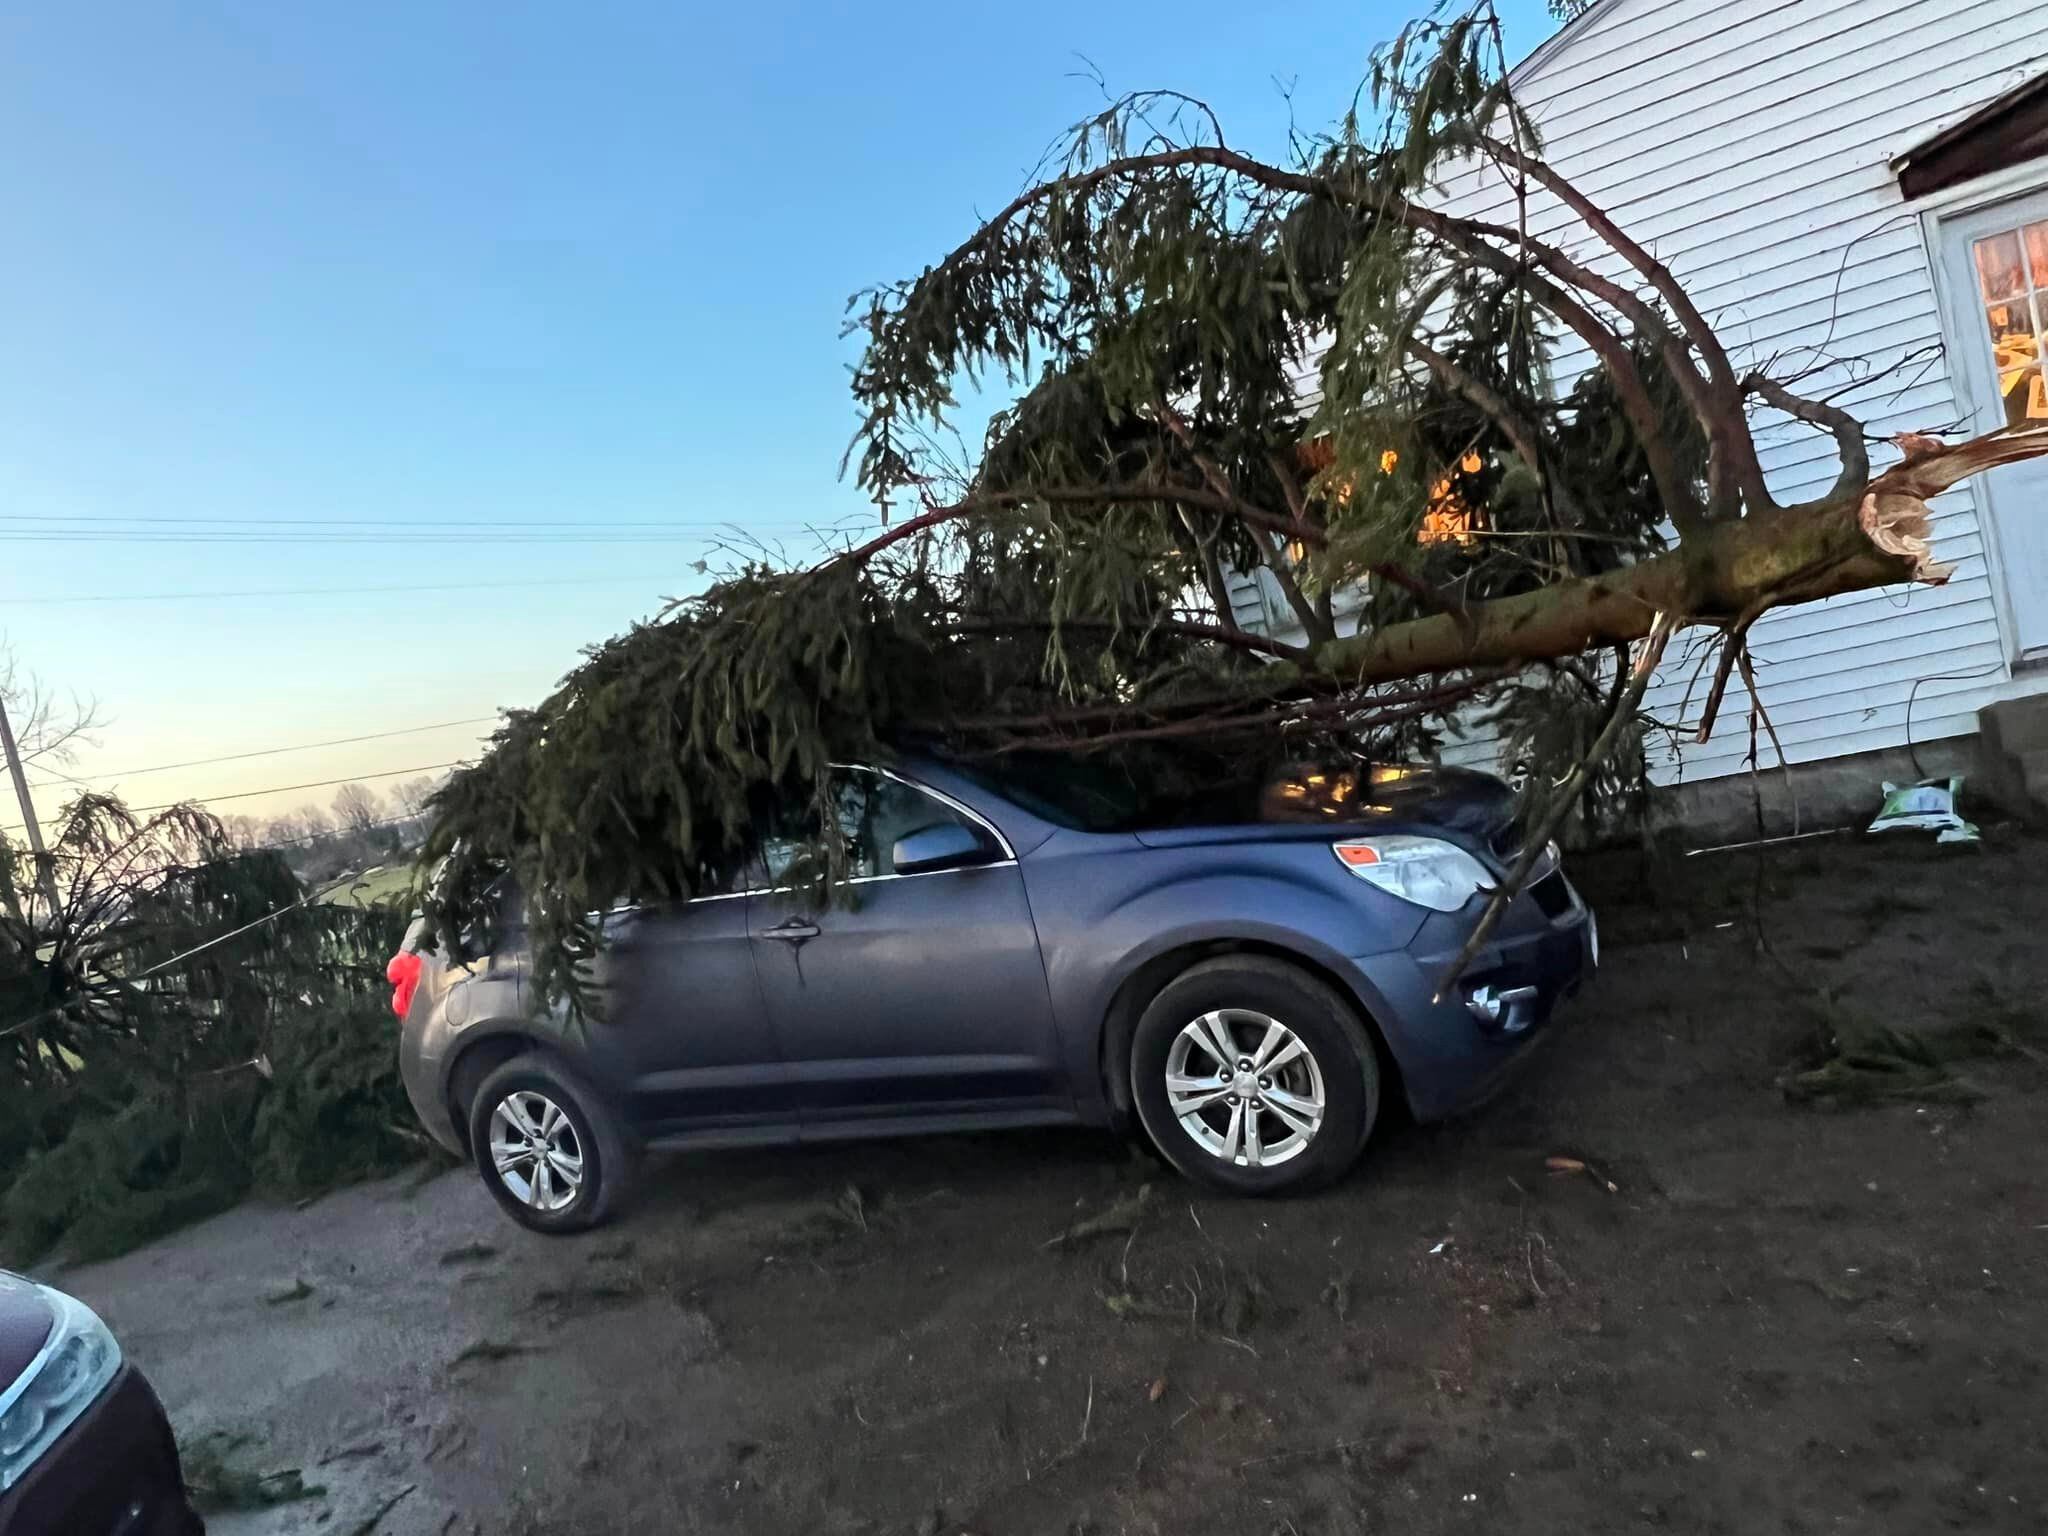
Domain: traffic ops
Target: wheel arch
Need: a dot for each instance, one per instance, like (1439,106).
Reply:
(1144,981)
(481,1055)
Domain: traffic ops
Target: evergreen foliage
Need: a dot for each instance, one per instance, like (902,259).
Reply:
(1215,364)
(183,1027)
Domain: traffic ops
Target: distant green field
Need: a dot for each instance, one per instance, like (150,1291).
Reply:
(381,884)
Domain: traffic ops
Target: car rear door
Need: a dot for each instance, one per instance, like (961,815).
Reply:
(686,1028)
(921,998)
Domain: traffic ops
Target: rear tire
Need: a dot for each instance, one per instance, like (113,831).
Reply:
(548,1147)
(1291,1111)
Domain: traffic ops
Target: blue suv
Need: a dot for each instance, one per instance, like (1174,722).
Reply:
(1241,975)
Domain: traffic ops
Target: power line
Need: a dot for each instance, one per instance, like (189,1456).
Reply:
(448,586)
(29,528)
(179,597)
(65,519)
(304,746)
(281,789)
(491,537)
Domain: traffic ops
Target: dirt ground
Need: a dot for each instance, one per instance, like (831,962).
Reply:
(1744,1315)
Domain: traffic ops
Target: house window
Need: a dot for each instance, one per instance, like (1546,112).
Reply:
(2012,277)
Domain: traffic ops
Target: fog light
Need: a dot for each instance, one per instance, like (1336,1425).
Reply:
(1496,1006)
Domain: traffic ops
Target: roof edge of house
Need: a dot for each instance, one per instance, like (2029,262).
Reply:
(1556,43)
(1964,126)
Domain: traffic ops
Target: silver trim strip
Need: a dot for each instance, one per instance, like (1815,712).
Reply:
(1002,842)
(1007,861)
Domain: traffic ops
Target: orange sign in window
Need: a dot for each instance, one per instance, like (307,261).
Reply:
(2012,278)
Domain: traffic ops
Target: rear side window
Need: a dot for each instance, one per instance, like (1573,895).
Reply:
(871,811)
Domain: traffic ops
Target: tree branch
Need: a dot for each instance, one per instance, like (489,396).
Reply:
(1847,429)
(1355,714)
(1098,495)
(1081,183)
(1733,471)
(1731,649)
(1201,549)
(1274,555)
(1297,508)
(1270,550)
(1239,639)
(1691,322)
(1520,434)
(1679,503)
(1467,236)
(1662,627)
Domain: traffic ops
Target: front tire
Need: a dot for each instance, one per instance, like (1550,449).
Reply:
(1253,1077)
(548,1147)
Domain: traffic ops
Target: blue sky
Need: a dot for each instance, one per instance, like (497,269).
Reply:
(586,265)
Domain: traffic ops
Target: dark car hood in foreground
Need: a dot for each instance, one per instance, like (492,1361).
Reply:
(1314,801)
(25,1323)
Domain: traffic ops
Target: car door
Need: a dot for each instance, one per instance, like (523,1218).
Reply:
(915,996)
(686,1027)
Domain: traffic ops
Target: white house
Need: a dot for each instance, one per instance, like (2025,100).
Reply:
(1856,191)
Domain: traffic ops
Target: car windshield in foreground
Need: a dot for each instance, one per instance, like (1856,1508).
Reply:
(1129,792)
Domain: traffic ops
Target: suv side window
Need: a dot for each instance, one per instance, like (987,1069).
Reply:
(872,811)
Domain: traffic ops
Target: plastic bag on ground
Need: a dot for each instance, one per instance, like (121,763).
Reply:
(1929,806)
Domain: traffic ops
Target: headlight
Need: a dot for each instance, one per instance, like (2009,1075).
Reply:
(1423,870)
(76,1362)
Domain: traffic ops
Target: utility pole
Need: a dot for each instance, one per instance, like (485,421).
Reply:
(46,878)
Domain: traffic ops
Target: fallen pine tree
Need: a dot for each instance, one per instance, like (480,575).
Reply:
(1449,528)
(180,1025)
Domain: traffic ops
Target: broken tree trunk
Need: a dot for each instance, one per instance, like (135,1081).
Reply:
(1873,536)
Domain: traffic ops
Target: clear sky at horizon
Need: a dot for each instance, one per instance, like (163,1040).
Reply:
(298,264)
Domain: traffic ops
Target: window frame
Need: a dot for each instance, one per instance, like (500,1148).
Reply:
(1006,852)
(1948,220)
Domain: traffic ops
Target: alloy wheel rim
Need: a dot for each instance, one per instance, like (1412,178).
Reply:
(535,1151)
(1245,1088)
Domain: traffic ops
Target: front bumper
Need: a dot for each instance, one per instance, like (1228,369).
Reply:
(1455,1051)
(114,1472)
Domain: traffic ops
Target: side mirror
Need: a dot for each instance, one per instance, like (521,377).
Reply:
(949,845)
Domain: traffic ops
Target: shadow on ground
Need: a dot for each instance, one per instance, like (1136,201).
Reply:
(1739,1315)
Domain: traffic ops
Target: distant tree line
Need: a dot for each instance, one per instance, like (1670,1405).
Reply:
(357,829)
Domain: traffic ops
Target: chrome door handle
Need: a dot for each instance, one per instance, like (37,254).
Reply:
(792,932)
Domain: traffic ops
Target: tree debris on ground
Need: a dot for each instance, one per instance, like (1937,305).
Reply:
(489,1351)
(218,1484)
(369,1524)
(1122,1216)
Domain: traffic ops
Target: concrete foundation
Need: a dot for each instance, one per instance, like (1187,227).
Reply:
(2004,768)
(2013,741)
(1812,797)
